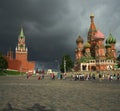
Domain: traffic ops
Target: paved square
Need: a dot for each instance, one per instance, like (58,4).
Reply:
(21,94)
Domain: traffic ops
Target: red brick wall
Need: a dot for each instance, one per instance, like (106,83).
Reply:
(20,65)
(13,64)
(27,66)
(21,56)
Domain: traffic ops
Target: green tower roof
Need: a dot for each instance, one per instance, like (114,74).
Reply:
(110,39)
(21,33)
(107,45)
(87,45)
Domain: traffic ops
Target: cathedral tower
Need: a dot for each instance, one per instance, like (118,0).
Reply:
(79,48)
(92,29)
(99,48)
(91,34)
(112,41)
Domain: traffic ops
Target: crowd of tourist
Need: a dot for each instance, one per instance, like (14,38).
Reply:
(77,77)
(93,76)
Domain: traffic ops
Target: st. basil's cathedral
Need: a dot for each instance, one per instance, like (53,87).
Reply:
(98,53)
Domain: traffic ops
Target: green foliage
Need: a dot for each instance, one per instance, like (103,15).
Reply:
(118,59)
(69,63)
(3,63)
(10,72)
(83,60)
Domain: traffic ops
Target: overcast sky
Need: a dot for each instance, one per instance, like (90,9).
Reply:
(51,27)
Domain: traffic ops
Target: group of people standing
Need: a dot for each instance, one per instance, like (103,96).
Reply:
(113,77)
(109,77)
(93,76)
(83,76)
(79,76)
(40,74)
(58,76)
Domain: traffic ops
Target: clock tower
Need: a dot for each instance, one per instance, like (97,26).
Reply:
(21,49)
(20,62)
(22,52)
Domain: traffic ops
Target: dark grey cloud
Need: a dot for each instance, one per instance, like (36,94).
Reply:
(52,26)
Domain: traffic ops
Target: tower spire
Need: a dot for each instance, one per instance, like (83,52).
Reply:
(92,25)
(91,34)
(92,29)
(92,17)
(21,33)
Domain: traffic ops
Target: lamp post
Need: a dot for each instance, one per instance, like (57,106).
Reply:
(64,65)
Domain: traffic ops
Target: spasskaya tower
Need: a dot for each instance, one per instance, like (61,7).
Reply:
(21,49)
(21,53)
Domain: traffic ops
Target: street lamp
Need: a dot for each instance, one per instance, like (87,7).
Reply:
(64,65)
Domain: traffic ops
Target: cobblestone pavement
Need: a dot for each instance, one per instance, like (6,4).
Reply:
(17,93)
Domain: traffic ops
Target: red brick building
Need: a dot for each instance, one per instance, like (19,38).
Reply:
(95,54)
(20,62)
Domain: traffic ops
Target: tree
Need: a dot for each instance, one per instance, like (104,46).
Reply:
(3,63)
(118,59)
(67,61)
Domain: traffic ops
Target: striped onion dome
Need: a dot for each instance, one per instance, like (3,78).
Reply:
(87,45)
(110,39)
(107,45)
(79,39)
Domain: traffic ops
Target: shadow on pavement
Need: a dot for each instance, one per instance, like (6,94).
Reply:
(35,107)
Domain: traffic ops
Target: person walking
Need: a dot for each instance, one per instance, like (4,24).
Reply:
(39,77)
(100,77)
(53,76)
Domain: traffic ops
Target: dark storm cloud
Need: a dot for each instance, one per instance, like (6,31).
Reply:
(52,26)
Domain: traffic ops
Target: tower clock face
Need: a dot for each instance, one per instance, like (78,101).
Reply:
(21,41)
(109,67)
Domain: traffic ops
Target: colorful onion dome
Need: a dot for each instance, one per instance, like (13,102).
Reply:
(99,35)
(110,39)
(79,39)
(107,45)
(76,50)
(87,45)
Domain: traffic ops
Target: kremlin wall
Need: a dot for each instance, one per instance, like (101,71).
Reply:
(20,62)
